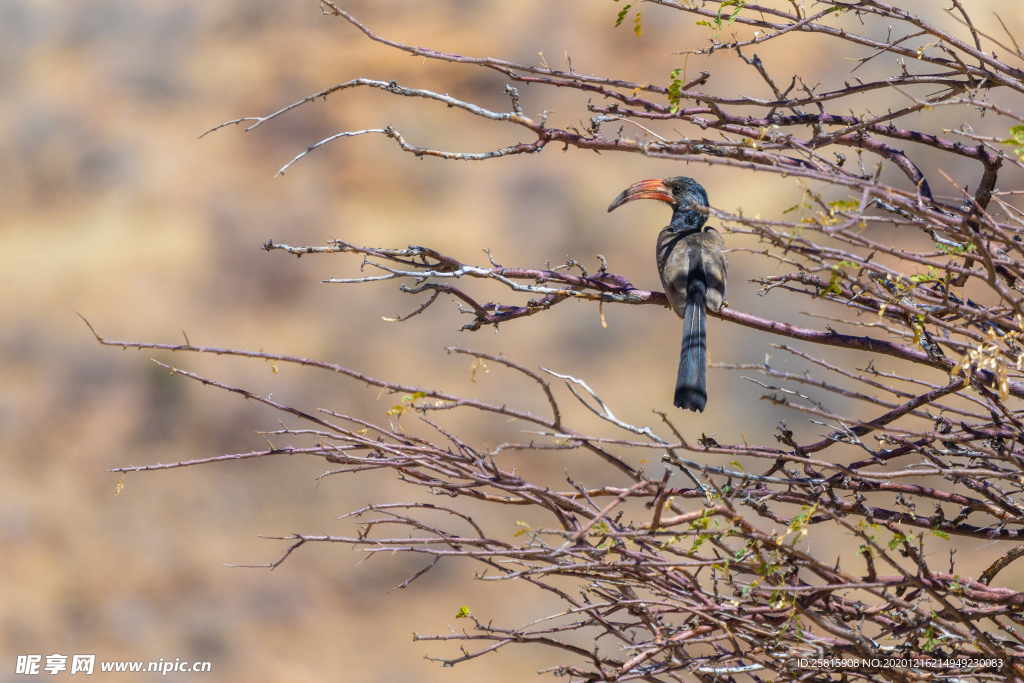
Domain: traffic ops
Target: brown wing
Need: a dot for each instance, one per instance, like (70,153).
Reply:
(674,267)
(675,259)
(716,267)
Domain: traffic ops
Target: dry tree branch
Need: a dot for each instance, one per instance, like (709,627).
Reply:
(715,578)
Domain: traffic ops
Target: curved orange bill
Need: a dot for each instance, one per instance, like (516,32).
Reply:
(645,189)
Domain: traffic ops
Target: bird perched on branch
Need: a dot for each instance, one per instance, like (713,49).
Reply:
(693,268)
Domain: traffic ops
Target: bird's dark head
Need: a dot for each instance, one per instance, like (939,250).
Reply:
(688,199)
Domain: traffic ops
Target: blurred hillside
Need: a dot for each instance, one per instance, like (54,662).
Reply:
(110,204)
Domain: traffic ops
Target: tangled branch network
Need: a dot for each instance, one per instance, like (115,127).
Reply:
(663,582)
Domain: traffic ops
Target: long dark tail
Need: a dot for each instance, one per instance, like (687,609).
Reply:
(692,381)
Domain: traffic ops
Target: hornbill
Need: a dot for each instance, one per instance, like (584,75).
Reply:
(693,268)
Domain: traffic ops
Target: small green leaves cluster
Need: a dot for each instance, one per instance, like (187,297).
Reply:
(955,250)
(638,28)
(866,527)
(798,525)
(898,539)
(838,276)
(406,404)
(675,90)
(844,205)
(930,276)
(918,323)
(700,524)
(1016,138)
(930,641)
(718,22)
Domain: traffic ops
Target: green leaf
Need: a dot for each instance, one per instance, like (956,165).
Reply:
(738,4)
(844,205)
(622,15)
(697,542)
(918,327)
(735,14)
(953,251)
(931,276)
(930,641)
(700,523)
(462,613)
(940,534)
(675,90)
(1016,138)
(834,284)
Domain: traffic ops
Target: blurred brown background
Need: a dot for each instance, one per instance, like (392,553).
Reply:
(110,204)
